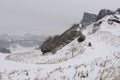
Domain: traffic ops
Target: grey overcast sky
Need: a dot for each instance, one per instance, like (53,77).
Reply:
(46,16)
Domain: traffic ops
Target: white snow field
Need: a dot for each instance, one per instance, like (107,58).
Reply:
(75,61)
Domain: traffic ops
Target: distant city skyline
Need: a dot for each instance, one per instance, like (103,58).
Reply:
(49,17)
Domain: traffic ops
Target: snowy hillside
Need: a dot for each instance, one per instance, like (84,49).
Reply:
(12,42)
(75,61)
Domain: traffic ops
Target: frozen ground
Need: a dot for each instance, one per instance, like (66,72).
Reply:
(75,61)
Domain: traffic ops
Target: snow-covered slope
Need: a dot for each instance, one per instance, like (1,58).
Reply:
(75,61)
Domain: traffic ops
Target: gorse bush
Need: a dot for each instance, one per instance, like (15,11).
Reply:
(5,50)
(52,44)
(81,38)
(89,44)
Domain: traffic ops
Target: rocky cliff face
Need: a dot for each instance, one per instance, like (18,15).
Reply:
(88,18)
(118,10)
(104,12)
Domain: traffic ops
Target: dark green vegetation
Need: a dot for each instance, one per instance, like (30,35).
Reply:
(89,44)
(5,50)
(81,38)
(52,44)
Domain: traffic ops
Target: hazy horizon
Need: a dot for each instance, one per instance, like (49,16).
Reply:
(46,16)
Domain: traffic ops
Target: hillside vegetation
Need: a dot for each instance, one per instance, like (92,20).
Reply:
(52,44)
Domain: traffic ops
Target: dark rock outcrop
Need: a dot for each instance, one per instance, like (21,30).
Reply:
(88,18)
(114,20)
(103,13)
(118,10)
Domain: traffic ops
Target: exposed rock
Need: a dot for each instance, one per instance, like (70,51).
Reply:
(103,13)
(118,10)
(114,20)
(88,18)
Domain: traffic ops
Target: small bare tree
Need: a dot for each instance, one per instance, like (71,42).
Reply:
(73,49)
